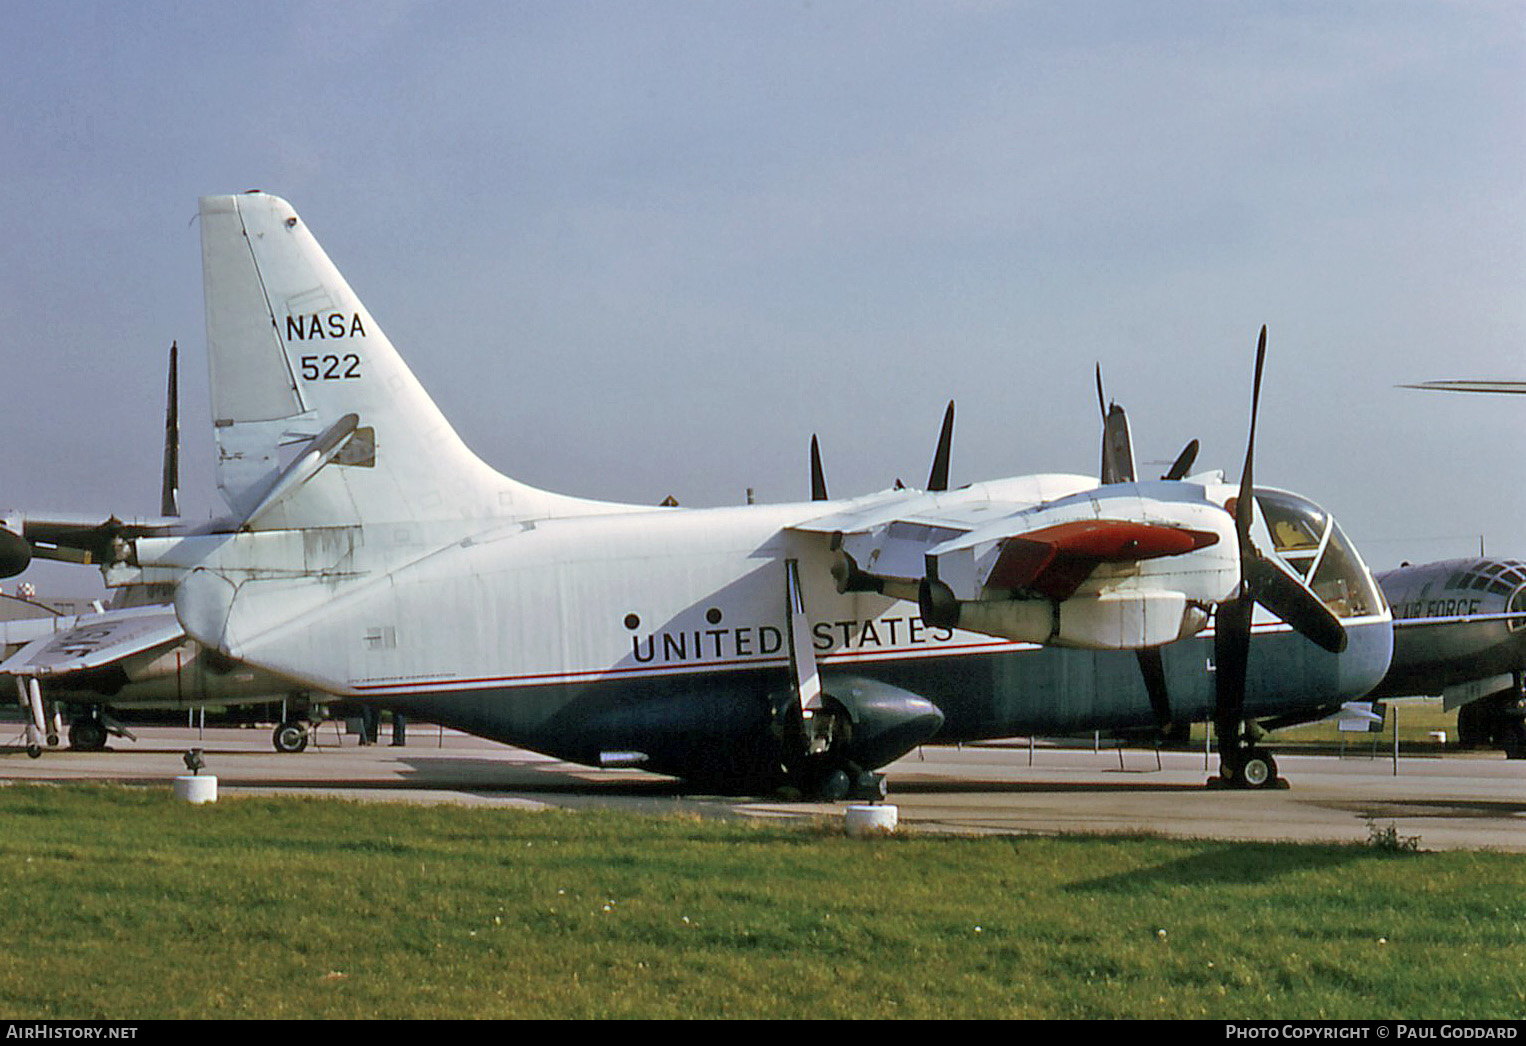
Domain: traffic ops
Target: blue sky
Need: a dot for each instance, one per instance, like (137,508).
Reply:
(639,249)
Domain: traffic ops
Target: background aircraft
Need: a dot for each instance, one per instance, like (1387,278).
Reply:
(134,654)
(370,555)
(1460,632)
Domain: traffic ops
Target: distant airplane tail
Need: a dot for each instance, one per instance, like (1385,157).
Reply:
(318,420)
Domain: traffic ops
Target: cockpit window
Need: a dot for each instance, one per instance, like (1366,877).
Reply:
(1340,582)
(1297,528)
(1308,540)
(1517,605)
(1296,525)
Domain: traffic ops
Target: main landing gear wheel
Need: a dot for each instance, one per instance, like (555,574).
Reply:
(871,786)
(290,736)
(848,782)
(834,786)
(87,735)
(860,785)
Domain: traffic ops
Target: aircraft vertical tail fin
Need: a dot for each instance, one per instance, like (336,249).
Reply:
(293,352)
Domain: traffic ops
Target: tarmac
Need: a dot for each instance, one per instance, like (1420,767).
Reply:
(1451,801)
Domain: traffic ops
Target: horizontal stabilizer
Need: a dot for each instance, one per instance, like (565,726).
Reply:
(319,452)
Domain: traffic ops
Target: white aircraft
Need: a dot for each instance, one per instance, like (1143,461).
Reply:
(371,555)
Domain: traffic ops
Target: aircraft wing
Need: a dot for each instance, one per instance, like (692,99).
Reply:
(1047,550)
(96,640)
(888,540)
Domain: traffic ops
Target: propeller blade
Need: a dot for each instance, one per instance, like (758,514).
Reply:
(1264,577)
(1117,448)
(1231,637)
(818,477)
(938,479)
(169,491)
(1243,513)
(1153,669)
(1284,594)
(1117,445)
(1231,655)
(1183,463)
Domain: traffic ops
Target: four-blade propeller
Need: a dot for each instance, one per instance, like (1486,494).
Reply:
(1264,579)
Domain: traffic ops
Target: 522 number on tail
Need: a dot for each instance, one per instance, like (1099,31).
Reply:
(330,368)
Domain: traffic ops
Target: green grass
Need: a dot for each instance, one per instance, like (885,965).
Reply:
(124,904)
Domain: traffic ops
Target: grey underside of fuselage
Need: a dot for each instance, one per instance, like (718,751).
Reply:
(1428,660)
(724,723)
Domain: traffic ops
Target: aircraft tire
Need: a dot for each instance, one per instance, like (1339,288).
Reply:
(87,735)
(1473,725)
(871,787)
(1251,768)
(1259,769)
(834,785)
(290,736)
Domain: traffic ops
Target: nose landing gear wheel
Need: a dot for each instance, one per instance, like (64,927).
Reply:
(1249,768)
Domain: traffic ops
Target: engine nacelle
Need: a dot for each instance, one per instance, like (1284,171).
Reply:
(1118,620)
(885,722)
(15,553)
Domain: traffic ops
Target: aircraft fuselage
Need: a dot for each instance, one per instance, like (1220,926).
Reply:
(666,633)
(1466,635)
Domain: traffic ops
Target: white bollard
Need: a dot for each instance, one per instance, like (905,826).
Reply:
(879,819)
(196,788)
